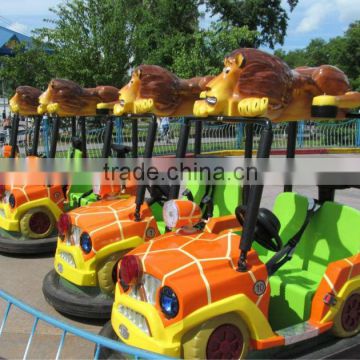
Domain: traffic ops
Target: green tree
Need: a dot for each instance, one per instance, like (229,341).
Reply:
(89,39)
(266,16)
(26,67)
(208,47)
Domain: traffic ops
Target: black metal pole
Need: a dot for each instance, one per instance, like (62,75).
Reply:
(148,151)
(55,136)
(291,147)
(198,137)
(14,134)
(254,200)
(249,139)
(35,144)
(181,152)
(83,136)
(135,137)
(108,137)
(73,127)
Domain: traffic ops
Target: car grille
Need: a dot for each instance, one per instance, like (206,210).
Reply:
(151,284)
(68,258)
(137,319)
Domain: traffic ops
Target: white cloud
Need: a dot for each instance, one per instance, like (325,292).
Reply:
(314,16)
(18,27)
(349,10)
(27,7)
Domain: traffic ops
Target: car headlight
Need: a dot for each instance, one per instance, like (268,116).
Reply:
(181,213)
(75,234)
(85,243)
(12,201)
(169,302)
(151,284)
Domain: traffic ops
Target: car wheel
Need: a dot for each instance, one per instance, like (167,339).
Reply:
(38,223)
(223,337)
(107,273)
(347,320)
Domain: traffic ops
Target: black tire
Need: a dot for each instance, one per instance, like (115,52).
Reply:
(326,111)
(44,217)
(108,332)
(79,304)
(28,246)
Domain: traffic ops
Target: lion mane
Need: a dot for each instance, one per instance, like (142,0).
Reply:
(168,90)
(264,75)
(28,97)
(72,95)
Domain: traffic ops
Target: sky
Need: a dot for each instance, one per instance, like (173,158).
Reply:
(310,19)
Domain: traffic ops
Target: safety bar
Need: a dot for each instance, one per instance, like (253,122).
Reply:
(97,340)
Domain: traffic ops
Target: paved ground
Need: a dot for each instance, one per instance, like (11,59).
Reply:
(22,277)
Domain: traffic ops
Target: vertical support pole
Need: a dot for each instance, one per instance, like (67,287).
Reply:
(249,139)
(239,134)
(55,136)
(181,152)
(291,147)
(253,204)
(198,133)
(14,134)
(148,151)
(135,137)
(300,136)
(108,137)
(35,144)
(83,136)
(46,135)
(73,127)
(357,138)
(119,130)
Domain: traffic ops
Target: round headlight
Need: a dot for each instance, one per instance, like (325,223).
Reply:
(169,302)
(12,201)
(170,214)
(85,243)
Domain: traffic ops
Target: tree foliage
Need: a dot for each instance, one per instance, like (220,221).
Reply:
(26,67)
(99,41)
(266,16)
(341,51)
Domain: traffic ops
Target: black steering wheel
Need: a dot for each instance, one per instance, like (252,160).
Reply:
(158,193)
(266,229)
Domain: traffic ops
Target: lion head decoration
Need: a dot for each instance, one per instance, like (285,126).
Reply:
(25,101)
(66,98)
(153,89)
(254,83)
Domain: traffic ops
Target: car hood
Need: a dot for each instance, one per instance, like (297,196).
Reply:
(201,268)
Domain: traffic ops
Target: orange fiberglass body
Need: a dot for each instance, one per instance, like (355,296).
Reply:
(153,89)
(200,269)
(66,98)
(25,101)
(254,83)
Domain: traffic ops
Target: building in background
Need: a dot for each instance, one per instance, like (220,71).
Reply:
(8,40)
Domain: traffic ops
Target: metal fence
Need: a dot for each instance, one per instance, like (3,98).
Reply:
(215,137)
(96,341)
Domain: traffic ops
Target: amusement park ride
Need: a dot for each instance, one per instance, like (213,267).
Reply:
(196,283)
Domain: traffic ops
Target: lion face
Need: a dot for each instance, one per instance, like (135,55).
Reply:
(215,100)
(44,101)
(25,100)
(128,94)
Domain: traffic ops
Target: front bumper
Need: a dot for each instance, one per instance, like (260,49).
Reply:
(70,264)
(8,219)
(165,341)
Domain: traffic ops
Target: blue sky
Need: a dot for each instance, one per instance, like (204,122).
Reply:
(310,19)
